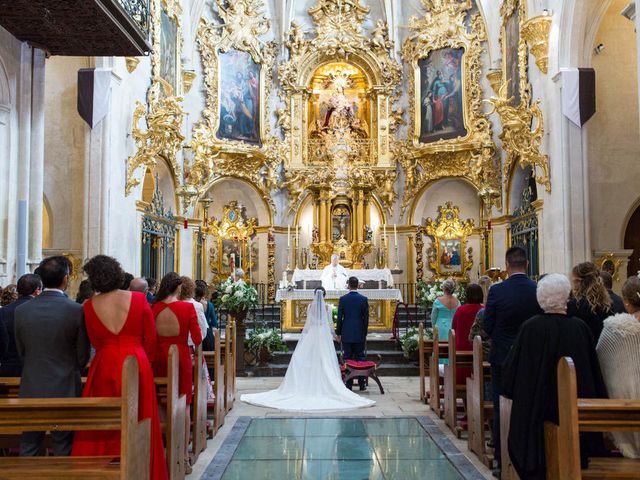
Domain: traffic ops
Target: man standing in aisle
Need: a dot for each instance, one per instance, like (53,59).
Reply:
(509,305)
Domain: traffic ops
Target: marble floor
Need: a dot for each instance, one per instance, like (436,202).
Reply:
(398,438)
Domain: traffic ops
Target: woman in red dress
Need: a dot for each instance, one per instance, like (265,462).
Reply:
(175,321)
(119,324)
(462,321)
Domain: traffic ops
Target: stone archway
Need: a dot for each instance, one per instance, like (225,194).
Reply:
(632,242)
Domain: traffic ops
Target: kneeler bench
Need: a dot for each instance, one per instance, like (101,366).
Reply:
(354,369)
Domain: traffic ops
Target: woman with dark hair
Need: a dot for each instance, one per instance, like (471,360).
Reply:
(175,321)
(9,295)
(85,292)
(463,320)
(119,324)
(590,300)
(209,313)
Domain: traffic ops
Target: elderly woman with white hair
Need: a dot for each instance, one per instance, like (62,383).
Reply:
(530,380)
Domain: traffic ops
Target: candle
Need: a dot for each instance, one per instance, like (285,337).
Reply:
(297,237)
(395,234)
(288,235)
(240,255)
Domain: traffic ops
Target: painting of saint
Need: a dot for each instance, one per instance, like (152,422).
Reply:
(512,64)
(441,95)
(239,97)
(450,259)
(168,51)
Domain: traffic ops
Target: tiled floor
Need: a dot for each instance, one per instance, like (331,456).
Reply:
(371,455)
(338,448)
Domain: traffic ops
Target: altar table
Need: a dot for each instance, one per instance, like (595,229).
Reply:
(364,275)
(382,304)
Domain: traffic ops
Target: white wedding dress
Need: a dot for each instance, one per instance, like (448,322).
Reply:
(313,381)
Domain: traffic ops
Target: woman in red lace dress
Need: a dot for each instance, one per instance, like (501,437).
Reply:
(462,321)
(119,324)
(175,321)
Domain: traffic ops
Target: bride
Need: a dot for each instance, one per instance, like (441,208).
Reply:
(313,381)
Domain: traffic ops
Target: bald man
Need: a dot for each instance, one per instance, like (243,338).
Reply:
(139,284)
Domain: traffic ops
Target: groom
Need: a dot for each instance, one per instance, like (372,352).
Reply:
(352,325)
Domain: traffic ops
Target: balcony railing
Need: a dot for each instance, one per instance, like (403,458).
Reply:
(138,10)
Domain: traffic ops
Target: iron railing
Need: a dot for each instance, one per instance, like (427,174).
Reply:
(138,10)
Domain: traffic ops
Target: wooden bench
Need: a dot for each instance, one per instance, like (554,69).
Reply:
(199,406)
(174,426)
(452,389)
(508,472)
(479,410)
(216,373)
(435,380)
(230,366)
(425,349)
(575,415)
(19,415)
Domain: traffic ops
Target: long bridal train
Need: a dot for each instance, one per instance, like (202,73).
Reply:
(313,381)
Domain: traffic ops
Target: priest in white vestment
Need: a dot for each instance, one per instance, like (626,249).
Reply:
(334,276)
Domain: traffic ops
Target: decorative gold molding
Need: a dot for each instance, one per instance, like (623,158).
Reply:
(610,263)
(243,23)
(449,227)
(495,79)
(188,76)
(535,32)
(75,263)
(271,265)
(132,63)
(472,156)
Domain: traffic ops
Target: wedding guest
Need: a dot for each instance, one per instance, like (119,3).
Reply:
(209,313)
(485,283)
(9,295)
(444,307)
(52,341)
(120,324)
(85,292)
(176,322)
(619,354)
(590,300)
(126,281)
(29,287)
(187,294)
(509,304)
(139,285)
(617,305)
(462,320)
(152,283)
(530,379)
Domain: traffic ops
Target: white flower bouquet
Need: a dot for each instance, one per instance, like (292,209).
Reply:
(236,296)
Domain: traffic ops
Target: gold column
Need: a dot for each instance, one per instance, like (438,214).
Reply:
(359,216)
(410,275)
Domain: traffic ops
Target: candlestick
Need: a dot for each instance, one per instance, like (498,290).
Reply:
(288,259)
(288,235)
(397,267)
(395,235)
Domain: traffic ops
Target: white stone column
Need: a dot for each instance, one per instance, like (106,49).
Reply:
(36,178)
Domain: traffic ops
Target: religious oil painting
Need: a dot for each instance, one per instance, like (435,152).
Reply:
(450,256)
(169,51)
(239,97)
(441,95)
(231,256)
(511,56)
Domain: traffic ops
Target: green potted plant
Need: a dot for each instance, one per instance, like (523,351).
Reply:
(263,342)
(409,342)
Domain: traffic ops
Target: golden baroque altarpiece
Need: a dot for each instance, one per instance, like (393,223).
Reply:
(337,139)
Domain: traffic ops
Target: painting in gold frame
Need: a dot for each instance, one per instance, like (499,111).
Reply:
(169,60)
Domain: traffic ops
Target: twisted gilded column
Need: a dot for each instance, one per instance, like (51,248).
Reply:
(419,243)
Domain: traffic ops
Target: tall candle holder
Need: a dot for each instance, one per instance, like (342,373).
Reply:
(288,268)
(397,266)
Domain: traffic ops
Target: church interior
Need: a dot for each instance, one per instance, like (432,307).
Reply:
(288,145)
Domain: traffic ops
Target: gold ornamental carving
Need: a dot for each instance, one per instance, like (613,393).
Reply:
(132,63)
(522,120)
(471,156)
(611,264)
(535,32)
(214,156)
(449,256)
(419,244)
(495,79)
(271,265)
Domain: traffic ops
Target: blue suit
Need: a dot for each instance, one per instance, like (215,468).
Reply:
(352,325)
(509,305)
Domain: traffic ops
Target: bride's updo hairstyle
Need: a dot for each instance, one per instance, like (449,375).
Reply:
(324,292)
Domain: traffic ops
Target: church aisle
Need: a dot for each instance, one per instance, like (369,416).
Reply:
(350,442)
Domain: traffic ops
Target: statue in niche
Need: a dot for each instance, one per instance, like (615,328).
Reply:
(368,234)
(341,223)
(315,235)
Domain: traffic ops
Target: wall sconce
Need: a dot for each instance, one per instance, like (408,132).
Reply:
(536,32)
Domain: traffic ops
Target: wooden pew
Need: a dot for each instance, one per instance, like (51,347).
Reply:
(216,372)
(168,391)
(435,380)
(425,350)
(575,415)
(508,472)
(19,415)
(199,406)
(452,390)
(479,410)
(230,366)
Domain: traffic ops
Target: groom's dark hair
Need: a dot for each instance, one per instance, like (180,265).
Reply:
(353,283)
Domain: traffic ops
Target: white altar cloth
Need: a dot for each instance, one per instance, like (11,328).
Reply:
(364,275)
(382,294)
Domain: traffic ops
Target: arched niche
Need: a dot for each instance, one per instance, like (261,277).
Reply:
(160,176)
(459,191)
(46,224)
(632,241)
(223,190)
(517,184)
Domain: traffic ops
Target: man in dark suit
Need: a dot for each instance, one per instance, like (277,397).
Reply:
(52,340)
(509,305)
(29,287)
(352,325)
(617,305)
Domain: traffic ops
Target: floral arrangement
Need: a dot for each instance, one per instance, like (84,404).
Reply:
(428,292)
(334,315)
(268,338)
(409,341)
(236,296)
